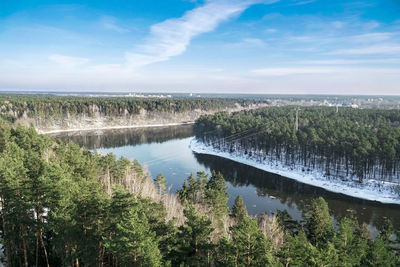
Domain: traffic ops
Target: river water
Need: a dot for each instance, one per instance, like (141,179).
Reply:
(165,150)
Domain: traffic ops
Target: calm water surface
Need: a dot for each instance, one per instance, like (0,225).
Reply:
(165,150)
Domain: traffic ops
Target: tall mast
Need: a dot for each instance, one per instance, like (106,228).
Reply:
(297,119)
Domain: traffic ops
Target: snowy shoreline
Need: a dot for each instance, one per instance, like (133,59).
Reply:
(114,127)
(370,190)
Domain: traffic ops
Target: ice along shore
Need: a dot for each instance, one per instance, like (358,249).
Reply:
(384,192)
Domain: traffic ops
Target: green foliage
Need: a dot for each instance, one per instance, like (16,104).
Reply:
(57,211)
(378,254)
(364,143)
(250,246)
(194,245)
(298,251)
(217,197)
(161,183)
(350,242)
(319,222)
(128,236)
(239,210)
(48,107)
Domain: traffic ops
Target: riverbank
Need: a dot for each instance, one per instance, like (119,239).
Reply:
(370,190)
(113,127)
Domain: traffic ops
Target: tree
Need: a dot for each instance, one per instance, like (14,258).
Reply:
(379,255)
(319,222)
(250,246)
(161,183)
(239,210)
(128,237)
(194,245)
(217,197)
(298,251)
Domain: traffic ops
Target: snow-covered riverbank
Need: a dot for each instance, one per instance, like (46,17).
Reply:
(370,190)
(112,127)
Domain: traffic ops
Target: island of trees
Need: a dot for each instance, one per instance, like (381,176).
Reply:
(344,144)
(62,205)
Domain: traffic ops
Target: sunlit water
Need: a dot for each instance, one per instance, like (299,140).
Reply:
(166,151)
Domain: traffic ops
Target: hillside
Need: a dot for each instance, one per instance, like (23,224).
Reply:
(49,113)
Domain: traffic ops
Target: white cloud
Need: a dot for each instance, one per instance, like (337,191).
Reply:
(253,41)
(371,37)
(369,50)
(338,24)
(172,37)
(67,61)
(312,70)
(290,71)
(346,61)
(303,2)
(110,23)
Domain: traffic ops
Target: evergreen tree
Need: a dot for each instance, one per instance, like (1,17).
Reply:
(251,248)
(350,243)
(239,210)
(128,237)
(161,183)
(217,197)
(194,245)
(379,255)
(319,222)
(298,251)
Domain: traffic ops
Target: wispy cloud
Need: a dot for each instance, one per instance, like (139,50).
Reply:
(172,37)
(110,23)
(303,2)
(372,37)
(68,61)
(290,71)
(347,61)
(384,49)
(313,70)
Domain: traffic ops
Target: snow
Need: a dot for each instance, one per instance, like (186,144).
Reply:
(373,190)
(112,127)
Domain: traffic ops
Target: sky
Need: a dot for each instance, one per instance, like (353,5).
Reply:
(209,46)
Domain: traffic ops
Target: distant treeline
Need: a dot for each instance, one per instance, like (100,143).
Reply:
(62,205)
(15,106)
(343,143)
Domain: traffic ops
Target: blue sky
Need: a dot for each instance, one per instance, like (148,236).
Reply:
(225,46)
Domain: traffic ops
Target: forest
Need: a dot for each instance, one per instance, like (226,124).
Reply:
(344,143)
(62,205)
(14,106)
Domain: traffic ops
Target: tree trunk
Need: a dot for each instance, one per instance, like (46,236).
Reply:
(25,249)
(44,247)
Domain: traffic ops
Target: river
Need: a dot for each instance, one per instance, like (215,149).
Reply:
(166,150)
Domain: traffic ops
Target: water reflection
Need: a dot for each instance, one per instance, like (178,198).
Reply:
(165,150)
(125,137)
(292,193)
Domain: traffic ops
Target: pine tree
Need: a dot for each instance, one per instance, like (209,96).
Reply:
(217,197)
(251,248)
(298,251)
(161,183)
(319,222)
(239,210)
(128,237)
(194,245)
(379,254)
(350,243)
